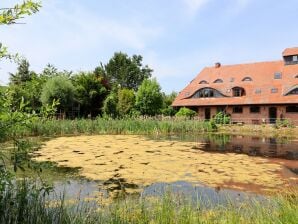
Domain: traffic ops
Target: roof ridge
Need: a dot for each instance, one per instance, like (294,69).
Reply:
(248,63)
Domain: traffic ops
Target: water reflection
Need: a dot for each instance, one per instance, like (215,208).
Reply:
(251,145)
(206,196)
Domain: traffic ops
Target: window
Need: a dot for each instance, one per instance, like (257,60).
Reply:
(237,110)
(258,91)
(277,75)
(207,93)
(246,79)
(292,109)
(238,91)
(295,58)
(255,109)
(203,82)
(274,90)
(293,92)
(218,81)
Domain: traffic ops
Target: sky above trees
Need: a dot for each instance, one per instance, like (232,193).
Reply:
(176,38)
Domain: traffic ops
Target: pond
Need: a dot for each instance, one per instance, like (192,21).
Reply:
(217,166)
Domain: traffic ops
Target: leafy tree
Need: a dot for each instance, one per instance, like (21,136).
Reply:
(167,109)
(126,72)
(25,84)
(11,120)
(49,71)
(91,92)
(126,101)
(149,98)
(61,89)
(23,73)
(110,105)
(186,112)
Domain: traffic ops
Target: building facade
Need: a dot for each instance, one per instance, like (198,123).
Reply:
(251,93)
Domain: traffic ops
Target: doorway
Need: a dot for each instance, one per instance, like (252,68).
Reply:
(272,115)
(207,113)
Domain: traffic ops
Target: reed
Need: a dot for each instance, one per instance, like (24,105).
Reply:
(115,126)
(27,203)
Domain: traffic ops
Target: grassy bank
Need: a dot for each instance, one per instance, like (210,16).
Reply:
(25,203)
(260,130)
(114,126)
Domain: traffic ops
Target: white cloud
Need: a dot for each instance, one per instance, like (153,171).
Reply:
(193,6)
(69,36)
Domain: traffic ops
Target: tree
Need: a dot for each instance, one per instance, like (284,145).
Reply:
(25,84)
(126,101)
(110,105)
(61,89)
(23,73)
(167,109)
(149,97)
(126,72)
(91,92)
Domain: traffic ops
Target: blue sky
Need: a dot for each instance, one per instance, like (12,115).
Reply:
(177,38)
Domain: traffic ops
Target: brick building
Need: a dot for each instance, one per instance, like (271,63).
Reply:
(250,93)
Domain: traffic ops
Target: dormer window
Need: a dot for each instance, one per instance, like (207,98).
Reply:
(293,92)
(247,79)
(277,75)
(238,91)
(290,56)
(218,81)
(203,82)
(207,93)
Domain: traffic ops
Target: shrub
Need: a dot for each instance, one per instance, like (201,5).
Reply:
(185,112)
(222,118)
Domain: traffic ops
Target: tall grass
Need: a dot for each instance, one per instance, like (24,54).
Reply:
(114,126)
(25,203)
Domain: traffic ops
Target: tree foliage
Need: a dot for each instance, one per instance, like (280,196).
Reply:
(186,112)
(167,108)
(126,101)
(60,89)
(126,72)
(91,92)
(149,98)
(110,108)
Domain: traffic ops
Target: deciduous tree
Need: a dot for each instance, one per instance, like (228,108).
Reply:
(149,97)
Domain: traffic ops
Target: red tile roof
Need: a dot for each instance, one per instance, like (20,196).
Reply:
(290,51)
(262,75)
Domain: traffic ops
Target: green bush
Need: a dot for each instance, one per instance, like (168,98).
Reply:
(222,118)
(185,112)
(283,123)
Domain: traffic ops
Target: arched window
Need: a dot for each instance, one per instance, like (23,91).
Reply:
(238,91)
(218,81)
(207,93)
(203,82)
(247,79)
(293,92)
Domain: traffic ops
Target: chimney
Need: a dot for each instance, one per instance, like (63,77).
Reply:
(217,65)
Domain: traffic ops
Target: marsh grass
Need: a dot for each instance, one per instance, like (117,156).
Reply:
(114,126)
(27,203)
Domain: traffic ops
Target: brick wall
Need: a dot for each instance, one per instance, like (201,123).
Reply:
(247,117)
